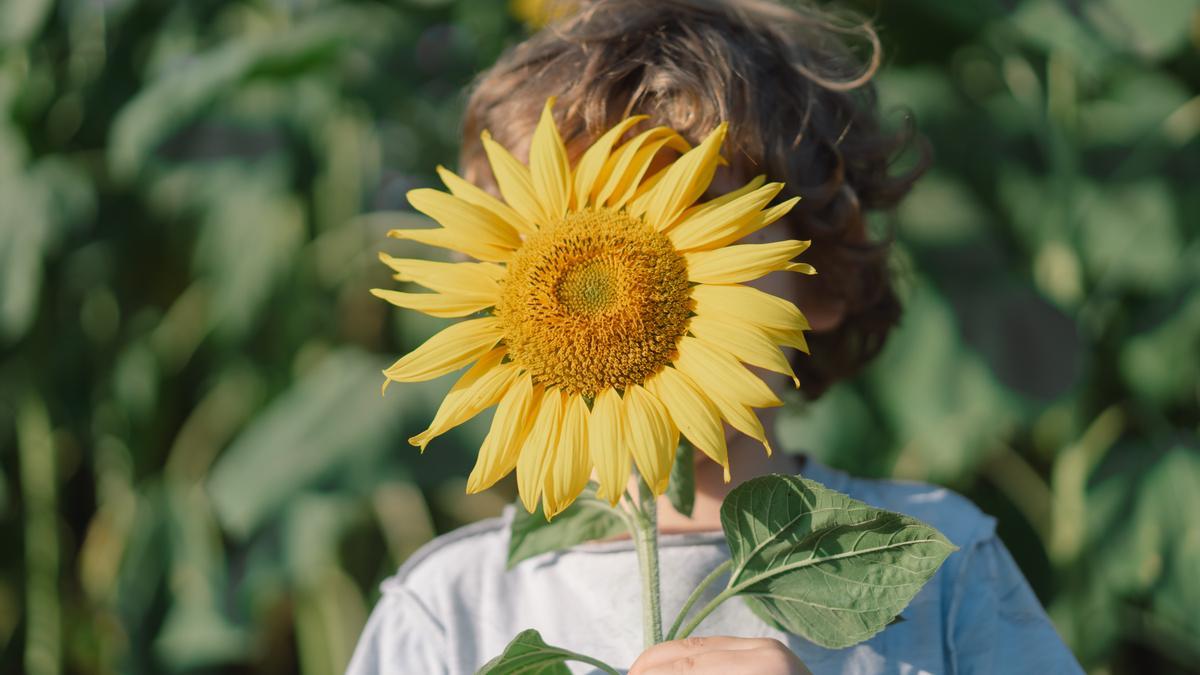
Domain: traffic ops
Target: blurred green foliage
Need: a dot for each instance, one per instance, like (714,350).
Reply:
(197,472)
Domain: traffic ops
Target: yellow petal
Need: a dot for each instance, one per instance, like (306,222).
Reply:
(700,209)
(693,413)
(537,451)
(745,262)
(473,279)
(449,350)
(686,179)
(640,201)
(594,159)
(515,182)
(468,192)
(723,224)
(464,218)
(548,167)
(747,343)
(435,304)
(712,368)
(500,449)
(793,338)
(627,166)
(455,241)
(748,304)
(571,466)
(802,268)
(650,436)
(606,446)
(733,409)
(479,388)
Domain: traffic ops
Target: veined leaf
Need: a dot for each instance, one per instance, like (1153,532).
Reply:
(814,562)
(586,519)
(528,654)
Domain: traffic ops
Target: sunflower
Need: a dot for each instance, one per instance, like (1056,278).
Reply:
(608,310)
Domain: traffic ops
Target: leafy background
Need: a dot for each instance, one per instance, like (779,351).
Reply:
(197,472)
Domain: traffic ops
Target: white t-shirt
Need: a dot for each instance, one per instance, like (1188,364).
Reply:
(452,606)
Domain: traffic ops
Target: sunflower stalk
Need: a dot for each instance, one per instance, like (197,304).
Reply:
(644,530)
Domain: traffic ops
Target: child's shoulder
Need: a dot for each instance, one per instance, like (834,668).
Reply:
(953,514)
(471,554)
(464,553)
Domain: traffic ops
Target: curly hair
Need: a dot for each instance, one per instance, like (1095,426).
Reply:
(801,107)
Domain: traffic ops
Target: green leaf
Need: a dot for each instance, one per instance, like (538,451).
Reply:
(20,20)
(586,519)
(528,654)
(682,488)
(292,444)
(815,562)
(177,96)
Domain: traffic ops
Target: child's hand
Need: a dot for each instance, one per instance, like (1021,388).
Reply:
(719,656)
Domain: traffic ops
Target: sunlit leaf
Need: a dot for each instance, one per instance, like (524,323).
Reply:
(20,20)
(817,563)
(329,416)
(175,98)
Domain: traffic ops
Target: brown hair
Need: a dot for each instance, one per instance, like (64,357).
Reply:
(801,109)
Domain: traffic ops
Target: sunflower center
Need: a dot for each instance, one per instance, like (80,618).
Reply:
(597,300)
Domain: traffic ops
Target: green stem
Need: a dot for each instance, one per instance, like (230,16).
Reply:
(705,611)
(645,537)
(695,596)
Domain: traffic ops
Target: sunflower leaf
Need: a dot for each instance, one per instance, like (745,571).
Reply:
(528,654)
(682,488)
(815,562)
(586,519)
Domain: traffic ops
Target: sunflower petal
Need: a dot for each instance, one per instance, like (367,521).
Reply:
(793,338)
(468,192)
(747,343)
(650,436)
(537,452)
(606,446)
(745,262)
(627,166)
(500,449)
(748,304)
(734,410)
(693,413)
(595,157)
(712,367)
(725,223)
(548,167)
(469,279)
(515,182)
(686,179)
(702,208)
(571,467)
(447,351)
(435,304)
(480,387)
(637,205)
(455,241)
(463,217)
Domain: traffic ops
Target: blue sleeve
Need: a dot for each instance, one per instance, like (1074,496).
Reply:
(401,637)
(995,623)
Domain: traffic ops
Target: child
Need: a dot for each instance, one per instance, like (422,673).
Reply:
(801,110)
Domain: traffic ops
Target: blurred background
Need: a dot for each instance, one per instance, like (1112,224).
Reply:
(198,473)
